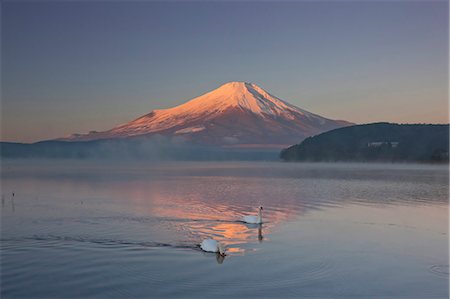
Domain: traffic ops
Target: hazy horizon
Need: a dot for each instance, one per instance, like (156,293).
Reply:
(72,67)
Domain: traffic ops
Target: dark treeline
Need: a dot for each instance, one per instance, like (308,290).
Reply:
(384,142)
(155,148)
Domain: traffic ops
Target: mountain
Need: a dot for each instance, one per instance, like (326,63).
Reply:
(237,114)
(385,142)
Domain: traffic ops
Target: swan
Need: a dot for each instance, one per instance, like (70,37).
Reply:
(254,219)
(211,245)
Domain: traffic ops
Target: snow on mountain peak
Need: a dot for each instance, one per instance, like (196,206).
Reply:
(244,95)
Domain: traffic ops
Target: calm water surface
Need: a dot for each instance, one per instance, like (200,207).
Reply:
(128,230)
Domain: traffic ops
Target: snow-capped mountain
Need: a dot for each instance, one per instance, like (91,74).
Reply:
(236,114)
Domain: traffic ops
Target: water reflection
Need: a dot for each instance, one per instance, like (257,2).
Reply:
(342,230)
(186,203)
(233,236)
(236,236)
(192,210)
(260,236)
(220,258)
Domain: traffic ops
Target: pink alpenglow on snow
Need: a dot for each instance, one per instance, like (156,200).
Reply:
(237,114)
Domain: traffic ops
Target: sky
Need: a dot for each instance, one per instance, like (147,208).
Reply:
(76,66)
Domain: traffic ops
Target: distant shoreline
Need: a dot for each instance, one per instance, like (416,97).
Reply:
(377,142)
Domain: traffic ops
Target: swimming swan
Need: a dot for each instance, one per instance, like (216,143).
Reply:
(210,245)
(254,219)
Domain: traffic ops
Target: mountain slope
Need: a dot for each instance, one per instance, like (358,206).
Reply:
(235,114)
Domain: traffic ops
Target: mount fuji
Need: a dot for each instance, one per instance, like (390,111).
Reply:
(237,114)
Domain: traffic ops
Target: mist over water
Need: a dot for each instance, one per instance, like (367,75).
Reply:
(143,149)
(132,229)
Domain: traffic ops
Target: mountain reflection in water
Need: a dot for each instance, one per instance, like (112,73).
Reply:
(86,229)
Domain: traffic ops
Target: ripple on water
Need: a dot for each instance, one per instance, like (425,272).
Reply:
(297,273)
(440,270)
(293,275)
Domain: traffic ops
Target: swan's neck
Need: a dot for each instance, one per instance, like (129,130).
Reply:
(220,249)
(259,216)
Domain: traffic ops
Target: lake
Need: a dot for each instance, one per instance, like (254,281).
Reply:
(131,229)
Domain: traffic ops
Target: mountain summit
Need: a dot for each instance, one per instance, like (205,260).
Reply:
(237,114)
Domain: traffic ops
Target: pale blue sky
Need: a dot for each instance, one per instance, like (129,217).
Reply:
(72,66)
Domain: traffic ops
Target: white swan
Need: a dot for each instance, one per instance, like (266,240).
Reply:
(210,245)
(254,219)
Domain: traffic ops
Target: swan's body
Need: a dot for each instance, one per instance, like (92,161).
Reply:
(254,219)
(210,245)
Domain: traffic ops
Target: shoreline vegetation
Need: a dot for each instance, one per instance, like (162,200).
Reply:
(376,142)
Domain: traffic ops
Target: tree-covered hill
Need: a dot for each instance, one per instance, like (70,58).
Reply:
(375,142)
